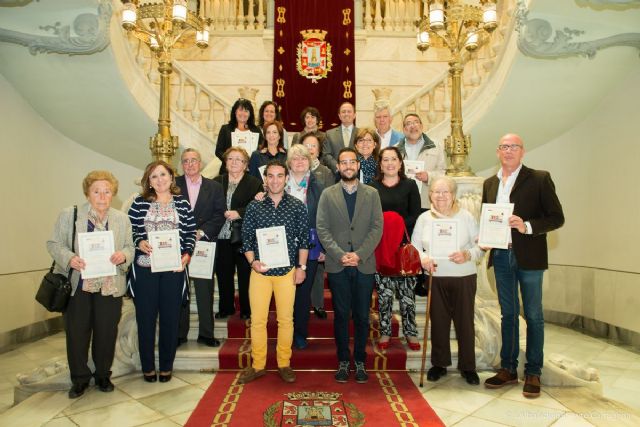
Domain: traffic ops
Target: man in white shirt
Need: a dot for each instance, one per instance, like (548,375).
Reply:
(382,119)
(417,146)
(340,137)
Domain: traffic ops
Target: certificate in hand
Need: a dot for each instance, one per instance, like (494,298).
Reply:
(165,254)
(494,225)
(272,244)
(201,264)
(444,238)
(246,140)
(411,168)
(95,249)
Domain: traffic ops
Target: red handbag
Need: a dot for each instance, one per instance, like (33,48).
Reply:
(409,258)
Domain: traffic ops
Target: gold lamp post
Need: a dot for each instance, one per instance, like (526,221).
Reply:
(461,27)
(160,24)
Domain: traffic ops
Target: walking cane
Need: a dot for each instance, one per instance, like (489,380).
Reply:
(426,329)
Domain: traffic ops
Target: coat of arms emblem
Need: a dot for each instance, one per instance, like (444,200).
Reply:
(314,55)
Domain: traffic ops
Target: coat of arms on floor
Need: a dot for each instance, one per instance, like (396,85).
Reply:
(317,408)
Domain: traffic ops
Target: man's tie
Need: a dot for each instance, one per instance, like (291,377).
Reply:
(346,136)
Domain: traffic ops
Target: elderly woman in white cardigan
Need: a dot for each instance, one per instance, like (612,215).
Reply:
(95,304)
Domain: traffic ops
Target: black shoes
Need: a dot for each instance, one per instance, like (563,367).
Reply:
(104,385)
(150,378)
(78,389)
(471,377)
(165,378)
(342,374)
(435,372)
(211,342)
(361,373)
(320,312)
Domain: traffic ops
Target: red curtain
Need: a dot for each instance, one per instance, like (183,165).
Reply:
(314,62)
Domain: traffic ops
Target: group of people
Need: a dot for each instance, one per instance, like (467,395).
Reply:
(345,203)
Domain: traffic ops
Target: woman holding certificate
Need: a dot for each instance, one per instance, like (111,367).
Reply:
(272,148)
(98,279)
(164,232)
(241,131)
(398,194)
(239,189)
(446,238)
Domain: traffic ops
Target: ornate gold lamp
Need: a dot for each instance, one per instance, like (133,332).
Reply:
(461,27)
(160,24)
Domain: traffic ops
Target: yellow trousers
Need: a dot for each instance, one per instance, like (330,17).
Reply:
(261,288)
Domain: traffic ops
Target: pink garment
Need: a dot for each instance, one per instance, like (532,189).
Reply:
(193,188)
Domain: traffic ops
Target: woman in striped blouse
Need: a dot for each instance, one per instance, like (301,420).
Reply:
(159,207)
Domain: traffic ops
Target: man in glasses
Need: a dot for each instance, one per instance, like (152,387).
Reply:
(417,146)
(536,212)
(349,226)
(206,198)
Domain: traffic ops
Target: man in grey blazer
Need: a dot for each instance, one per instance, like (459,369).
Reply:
(349,226)
(340,137)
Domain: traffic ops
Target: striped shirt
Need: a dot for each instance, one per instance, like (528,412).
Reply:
(186,222)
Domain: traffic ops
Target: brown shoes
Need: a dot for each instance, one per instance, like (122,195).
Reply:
(531,387)
(287,374)
(250,374)
(501,379)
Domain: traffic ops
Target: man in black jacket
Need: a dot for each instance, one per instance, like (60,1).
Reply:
(206,198)
(536,212)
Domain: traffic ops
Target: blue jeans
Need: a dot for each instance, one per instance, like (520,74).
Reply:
(351,293)
(508,277)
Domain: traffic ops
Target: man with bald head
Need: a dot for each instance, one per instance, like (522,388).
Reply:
(536,212)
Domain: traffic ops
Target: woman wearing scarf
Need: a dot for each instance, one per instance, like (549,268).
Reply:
(367,146)
(95,304)
(454,281)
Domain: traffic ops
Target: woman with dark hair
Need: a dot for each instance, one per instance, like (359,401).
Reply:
(310,116)
(95,305)
(239,189)
(272,148)
(400,195)
(367,146)
(241,131)
(270,112)
(159,207)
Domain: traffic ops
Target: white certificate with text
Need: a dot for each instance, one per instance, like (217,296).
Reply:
(494,225)
(95,249)
(444,238)
(272,245)
(246,140)
(201,264)
(411,168)
(165,250)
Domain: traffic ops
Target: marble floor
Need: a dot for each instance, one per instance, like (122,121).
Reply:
(136,403)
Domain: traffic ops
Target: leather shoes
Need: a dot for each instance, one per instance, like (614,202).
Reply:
(211,342)
(104,385)
(435,372)
(77,390)
(531,387)
(502,378)
(320,312)
(471,377)
(150,377)
(413,345)
(250,374)
(164,378)
(287,374)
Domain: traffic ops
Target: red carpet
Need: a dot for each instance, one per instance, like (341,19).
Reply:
(315,399)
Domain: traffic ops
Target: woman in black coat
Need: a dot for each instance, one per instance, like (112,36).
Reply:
(242,122)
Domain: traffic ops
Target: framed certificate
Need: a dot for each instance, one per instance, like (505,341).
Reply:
(201,264)
(95,249)
(444,238)
(272,244)
(411,168)
(494,225)
(165,253)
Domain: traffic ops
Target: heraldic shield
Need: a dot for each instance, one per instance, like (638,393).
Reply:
(314,55)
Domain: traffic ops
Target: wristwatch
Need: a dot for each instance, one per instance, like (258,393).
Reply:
(302,266)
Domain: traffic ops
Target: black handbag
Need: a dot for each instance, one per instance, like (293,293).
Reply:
(55,289)
(236,233)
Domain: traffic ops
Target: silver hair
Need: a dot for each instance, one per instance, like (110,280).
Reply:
(298,150)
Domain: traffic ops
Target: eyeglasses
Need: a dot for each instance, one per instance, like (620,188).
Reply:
(509,147)
(441,193)
(190,161)
(365,141)
(234,160)
(348,162)
(412,123)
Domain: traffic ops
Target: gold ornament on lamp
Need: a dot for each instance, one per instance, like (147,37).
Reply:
(461,27)
(160,24)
